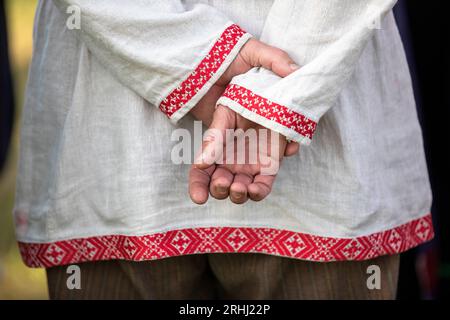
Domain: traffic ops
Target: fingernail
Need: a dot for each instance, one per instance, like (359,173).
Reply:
(221,189)
(294,66)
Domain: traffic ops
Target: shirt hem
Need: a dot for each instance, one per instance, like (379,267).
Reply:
(201,240)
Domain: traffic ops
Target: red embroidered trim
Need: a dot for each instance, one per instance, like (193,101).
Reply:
(271,110)
(204,71)
(228,239)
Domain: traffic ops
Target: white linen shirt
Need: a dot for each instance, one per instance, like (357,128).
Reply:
(96,180)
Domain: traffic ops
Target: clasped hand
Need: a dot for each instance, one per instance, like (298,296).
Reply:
(239,159)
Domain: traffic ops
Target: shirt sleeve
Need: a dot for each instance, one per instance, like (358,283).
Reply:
(326,38)
(169,54)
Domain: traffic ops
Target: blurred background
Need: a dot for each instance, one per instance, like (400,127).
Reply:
(16,280)
(425,271)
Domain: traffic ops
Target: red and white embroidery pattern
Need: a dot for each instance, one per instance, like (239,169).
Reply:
(228,239)
(271,110)
(204,71)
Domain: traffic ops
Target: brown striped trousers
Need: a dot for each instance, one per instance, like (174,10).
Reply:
(227,276)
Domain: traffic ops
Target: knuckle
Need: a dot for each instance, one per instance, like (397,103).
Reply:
(285,57)
(280,54)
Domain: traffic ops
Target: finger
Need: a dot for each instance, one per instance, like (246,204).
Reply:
(259,54)
(292,148)
(199,184)
(220,184)
(214,139)
(261,187)
(204,109)
(238,189)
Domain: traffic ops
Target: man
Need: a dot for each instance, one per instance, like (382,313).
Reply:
(97,186)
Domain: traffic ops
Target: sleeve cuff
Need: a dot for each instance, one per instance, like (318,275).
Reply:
(223,52)
(293,125)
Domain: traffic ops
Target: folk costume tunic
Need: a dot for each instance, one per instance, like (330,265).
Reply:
(96,180)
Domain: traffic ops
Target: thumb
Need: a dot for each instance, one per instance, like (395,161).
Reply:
(259,54)
(214,138)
